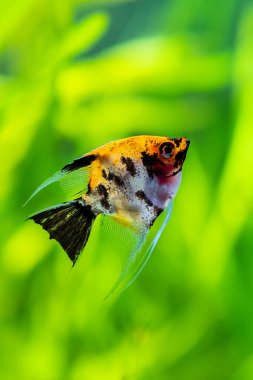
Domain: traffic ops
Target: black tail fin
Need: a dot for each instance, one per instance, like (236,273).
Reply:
(69,223)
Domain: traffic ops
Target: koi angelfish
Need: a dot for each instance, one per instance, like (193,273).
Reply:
(131,181)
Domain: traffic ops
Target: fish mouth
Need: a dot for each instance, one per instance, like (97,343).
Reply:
(174,173)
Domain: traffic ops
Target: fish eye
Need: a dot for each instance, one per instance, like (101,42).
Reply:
(166,149)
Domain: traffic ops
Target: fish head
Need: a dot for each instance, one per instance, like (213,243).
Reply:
(170,155)
(164,163)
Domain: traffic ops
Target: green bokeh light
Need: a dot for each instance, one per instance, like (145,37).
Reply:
(77,74)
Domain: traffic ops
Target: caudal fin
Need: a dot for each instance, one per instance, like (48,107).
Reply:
(69,223)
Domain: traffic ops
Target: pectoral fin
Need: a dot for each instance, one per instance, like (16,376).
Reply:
(138,244)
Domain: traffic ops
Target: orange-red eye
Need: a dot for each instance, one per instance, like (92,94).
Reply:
(166,149)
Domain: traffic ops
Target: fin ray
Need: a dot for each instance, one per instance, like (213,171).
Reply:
(138,256)
(147,252)
(68,223)
(71,176)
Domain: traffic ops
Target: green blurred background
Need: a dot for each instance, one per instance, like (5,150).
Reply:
(77,74)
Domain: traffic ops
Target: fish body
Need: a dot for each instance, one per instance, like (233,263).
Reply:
(130,180)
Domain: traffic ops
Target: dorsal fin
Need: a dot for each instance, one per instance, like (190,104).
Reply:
(79,163)
(75,165)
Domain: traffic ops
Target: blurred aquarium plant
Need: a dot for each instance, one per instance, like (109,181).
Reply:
(76,74)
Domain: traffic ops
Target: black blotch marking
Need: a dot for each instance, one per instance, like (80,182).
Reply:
(130,167)
(116,179)
(103,192)
(179,158)
(88,189)
(79,163)
(148,161)
(177,141)
(104,175)
(142,196)
(101,189)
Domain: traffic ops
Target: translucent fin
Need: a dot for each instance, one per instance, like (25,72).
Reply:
(73,177)
(75,184)
(56,177)
(145,253)
(139,251)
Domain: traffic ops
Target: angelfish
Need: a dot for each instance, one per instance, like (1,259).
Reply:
(132,181)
